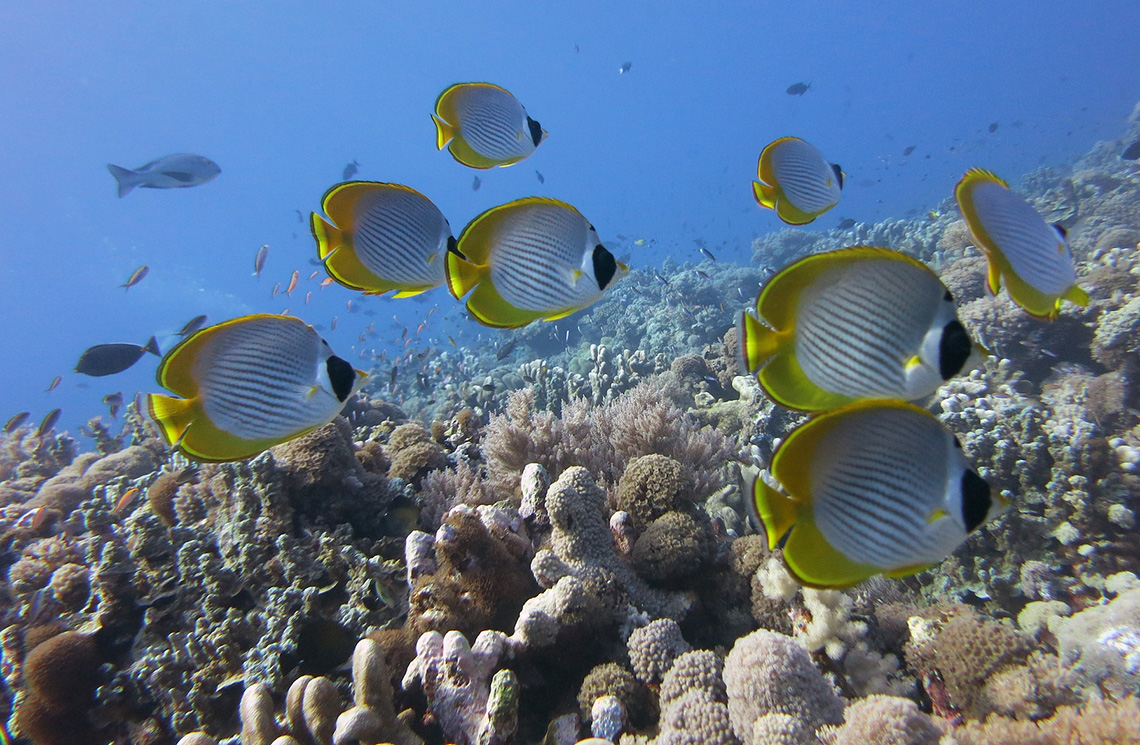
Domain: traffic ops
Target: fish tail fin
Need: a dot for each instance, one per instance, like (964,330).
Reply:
(173,415)
(1076,295)
(126,178)
(462,275)
(774,510)
(329,237)
(443,132)
(756,343)
(765,195)
(152,347)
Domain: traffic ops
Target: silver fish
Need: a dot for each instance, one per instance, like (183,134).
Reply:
(176,171)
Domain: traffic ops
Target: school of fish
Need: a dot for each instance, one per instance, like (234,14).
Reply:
(870,484)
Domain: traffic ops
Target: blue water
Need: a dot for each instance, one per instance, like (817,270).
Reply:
(282,95)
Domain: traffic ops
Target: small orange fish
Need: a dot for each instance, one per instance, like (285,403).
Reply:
(420,327)
(293,282)
(54,384)
(349,306)
(136,277)
(314,274)
(308,297)
(409,341)
(453,342)
(334,323)
(327,281)
(40,518)
(276,289)
(125,500)
(433,310)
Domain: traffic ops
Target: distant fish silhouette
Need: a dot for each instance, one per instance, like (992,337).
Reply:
(176,171)
(908,151)
(798,89)
(541,180)
(476,184)
(350,170)
(136,277)
(625,68)
(1132,152)
(993,127)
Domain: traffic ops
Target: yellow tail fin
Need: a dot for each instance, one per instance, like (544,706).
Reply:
(443,132)
(173,415)
(329,237)
(756,342)
(462,275)
(764,195)
(774,510)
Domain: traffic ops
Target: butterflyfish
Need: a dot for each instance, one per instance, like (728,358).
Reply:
(382,238)
(1030,255)
(795,180)
(529,259)
(248,384)
(856,323)
(109,359)
(877,487)
(484,126)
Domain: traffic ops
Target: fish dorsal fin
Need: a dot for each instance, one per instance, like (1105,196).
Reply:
(777,303)
(478,237)
(764,169)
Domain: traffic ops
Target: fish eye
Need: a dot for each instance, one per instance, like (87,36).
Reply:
(976,500)
(957,444)
(535,131)
(948,297)
(953,349)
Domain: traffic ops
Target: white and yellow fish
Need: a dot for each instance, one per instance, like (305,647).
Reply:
(386,237)
(795,180)
(484,126)
(529,259)
(878,487)
(1029,254)
(852,324)
(248,384)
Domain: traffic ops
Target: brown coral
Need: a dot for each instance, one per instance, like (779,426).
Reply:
(651,486)
(671,549)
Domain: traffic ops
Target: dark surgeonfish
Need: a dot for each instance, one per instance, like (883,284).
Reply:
(798,89)
(108,359)
(1132,152)
(176,171)
(350,170)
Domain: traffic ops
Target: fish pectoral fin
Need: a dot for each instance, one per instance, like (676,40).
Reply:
(936,515)
(1076,295)
(912,363)
(313,389)
(411,292)
(443,132)
(573,275)
(180,176)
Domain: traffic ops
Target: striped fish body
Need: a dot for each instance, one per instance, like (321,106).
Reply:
(249,384)
(873,488)
(853,324)
(529,259)
(795,180)
(1032,256)
(484,126)
(381,238)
